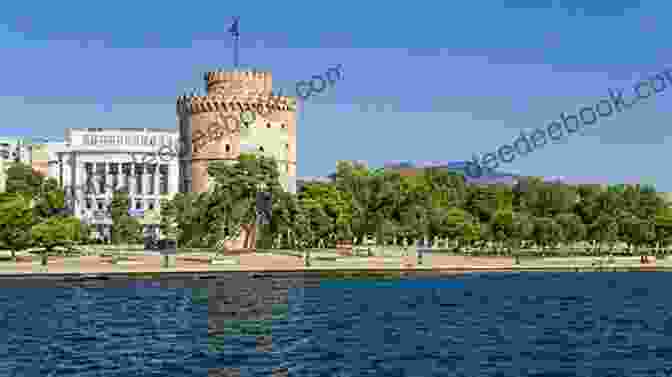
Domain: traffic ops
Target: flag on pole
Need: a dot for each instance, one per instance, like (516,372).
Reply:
(234,28)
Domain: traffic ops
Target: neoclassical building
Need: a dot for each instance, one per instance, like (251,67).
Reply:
(93,162)
(213,116)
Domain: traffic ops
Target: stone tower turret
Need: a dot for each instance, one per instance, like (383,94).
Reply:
(211,131)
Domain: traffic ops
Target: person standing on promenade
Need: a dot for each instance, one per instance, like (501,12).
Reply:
(420,247)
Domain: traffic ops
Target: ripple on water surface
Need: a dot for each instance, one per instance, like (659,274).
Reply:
(523,324)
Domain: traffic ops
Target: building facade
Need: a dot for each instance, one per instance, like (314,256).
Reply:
(93,162)
(15,149)
(211,128)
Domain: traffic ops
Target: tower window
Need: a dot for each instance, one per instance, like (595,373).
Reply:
(228,147)
(268,125)
(283,125)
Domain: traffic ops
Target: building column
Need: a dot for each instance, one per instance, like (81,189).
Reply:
(75,181)
(131,182)
(97,178)
(60,169)
(108,177)
(145,180)
(157,192)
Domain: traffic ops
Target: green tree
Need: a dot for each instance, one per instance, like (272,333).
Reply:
(181,218)
(637,232)
(482,201)
(22,179)
(573,228)
(587,206)
(285,220)
(125,228)
(502,226)
(240,182)
(333,204)
(169,226)
(16,219)
(49,197)
(55,232)
(663,227)
(522,229)
(604,230)
(547,232)
(372,198)
(320,223)
(459,225)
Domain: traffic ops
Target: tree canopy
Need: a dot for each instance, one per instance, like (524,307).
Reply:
(361,203)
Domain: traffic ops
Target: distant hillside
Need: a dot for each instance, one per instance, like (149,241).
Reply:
(489,176)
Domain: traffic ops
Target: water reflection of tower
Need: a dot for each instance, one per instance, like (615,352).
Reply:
(241,306)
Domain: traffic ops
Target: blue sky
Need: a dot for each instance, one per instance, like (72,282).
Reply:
(423,80)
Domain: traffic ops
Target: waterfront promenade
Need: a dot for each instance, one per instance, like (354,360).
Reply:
(139,262)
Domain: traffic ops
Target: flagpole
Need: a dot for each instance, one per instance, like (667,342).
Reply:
(235,51)
(235,32)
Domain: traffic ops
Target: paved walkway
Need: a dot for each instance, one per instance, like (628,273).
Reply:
(277,262)
(245,262)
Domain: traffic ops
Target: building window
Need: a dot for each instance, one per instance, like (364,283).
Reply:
(151,169)
(283,126)
(228,148)
(102,181)
(88,177)
(139,170)
(151,205)
(138,204)
(88,203)
(100,206)
(268,125)
(163,179)
(261,149)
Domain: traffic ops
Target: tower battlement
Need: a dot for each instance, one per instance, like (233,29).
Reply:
(261,104)
(238,82)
